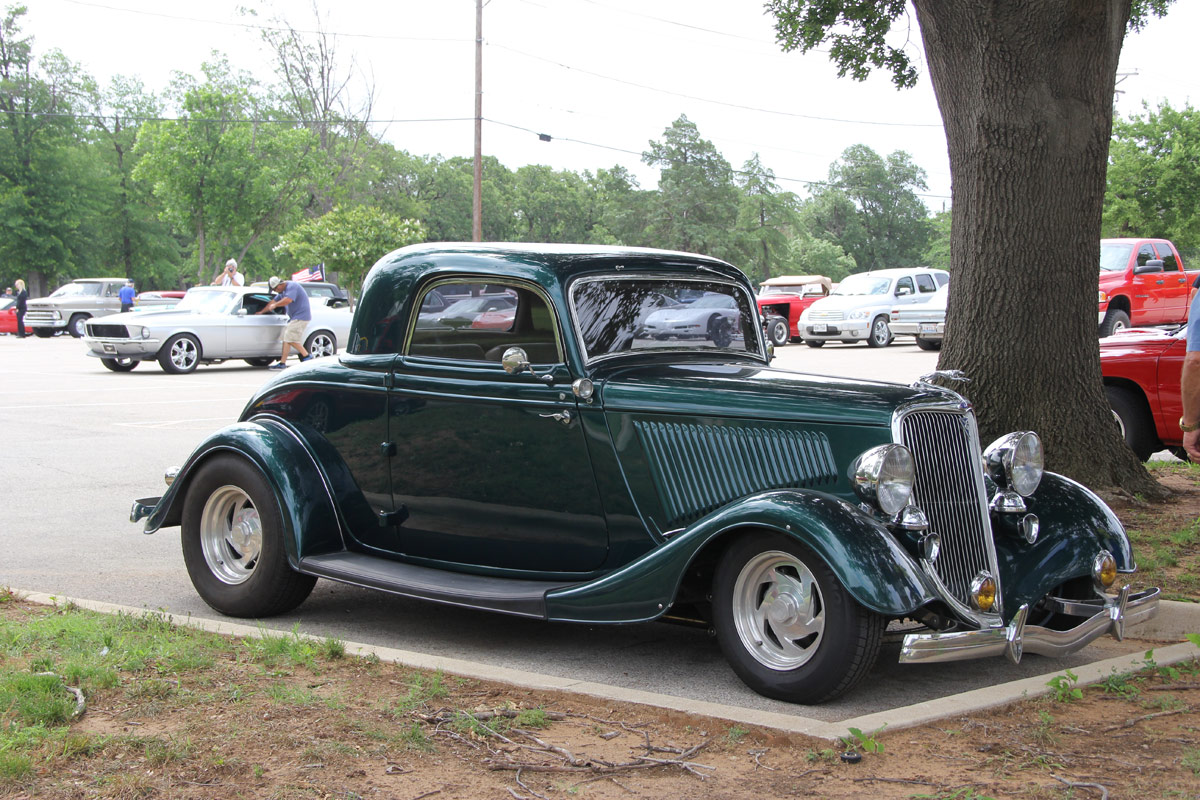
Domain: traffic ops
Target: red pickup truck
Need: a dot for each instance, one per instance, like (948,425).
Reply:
(1142,282)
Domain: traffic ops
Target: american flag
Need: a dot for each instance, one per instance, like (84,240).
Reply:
(317,273)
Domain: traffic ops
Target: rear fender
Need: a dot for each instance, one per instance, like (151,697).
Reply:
(301,488)
(873,567)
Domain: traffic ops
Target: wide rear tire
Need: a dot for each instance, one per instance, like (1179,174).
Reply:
(320,344)
(929,344)
(233,542)
(1134,420)
(785,623)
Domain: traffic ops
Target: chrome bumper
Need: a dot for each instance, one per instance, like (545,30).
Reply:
(1017,637)
(143,508)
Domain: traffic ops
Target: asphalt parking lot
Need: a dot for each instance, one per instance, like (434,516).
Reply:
(80,443)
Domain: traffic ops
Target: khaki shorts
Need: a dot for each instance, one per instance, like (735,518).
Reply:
(294,332)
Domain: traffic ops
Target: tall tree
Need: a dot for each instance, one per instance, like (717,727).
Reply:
(696,205)
(349,241)
(230,170)
(622,207)
(551,206)
(1025,91)
(766,214)
(1154,177)
(808,255)
(894,222)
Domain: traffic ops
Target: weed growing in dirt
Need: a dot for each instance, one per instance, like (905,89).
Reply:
(1191,759)
(866,742)
(1063,687)
(1044,731)
(735,735)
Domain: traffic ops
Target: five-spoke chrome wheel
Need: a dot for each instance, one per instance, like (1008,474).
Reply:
(778,610)
(321,344)
(180,354)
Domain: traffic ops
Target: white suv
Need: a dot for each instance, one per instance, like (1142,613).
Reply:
(858,308)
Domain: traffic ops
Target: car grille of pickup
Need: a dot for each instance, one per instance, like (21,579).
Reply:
(100,331)
(949,489)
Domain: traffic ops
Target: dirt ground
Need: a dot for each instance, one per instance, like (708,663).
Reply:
(356,728)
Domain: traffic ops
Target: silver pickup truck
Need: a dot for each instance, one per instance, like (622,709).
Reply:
(71,305)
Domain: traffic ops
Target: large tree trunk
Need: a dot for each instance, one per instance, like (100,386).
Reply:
(1026,93)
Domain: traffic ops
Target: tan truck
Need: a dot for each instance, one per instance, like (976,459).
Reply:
(71,305)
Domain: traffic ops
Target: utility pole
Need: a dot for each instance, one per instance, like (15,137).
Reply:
(477,199)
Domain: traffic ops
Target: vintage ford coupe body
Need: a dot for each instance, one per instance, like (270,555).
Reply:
(573,467)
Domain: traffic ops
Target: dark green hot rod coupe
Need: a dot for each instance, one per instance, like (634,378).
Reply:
(615,447)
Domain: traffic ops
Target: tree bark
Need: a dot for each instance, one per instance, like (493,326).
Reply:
(1026,92)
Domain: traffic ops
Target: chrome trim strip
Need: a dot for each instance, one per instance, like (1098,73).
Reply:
(1113,618)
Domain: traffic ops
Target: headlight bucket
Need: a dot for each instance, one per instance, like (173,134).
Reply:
(1015,461)
(883,477)
(1104,571)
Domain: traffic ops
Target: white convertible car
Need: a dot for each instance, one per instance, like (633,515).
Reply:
(211,324)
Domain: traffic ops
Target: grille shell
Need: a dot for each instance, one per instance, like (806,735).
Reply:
(949,489)
(103,331)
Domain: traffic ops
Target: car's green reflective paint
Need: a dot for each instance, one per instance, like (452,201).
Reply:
(871,564)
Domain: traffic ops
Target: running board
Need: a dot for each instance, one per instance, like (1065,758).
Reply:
(516,596)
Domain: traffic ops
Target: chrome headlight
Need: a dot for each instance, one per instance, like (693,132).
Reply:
(883,477)
(145,334)
(1014,461)
(859,314)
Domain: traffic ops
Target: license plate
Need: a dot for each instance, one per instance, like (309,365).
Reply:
(928,328)
(820,327)
(108,348)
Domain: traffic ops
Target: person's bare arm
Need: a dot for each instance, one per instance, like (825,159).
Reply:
(1189,386)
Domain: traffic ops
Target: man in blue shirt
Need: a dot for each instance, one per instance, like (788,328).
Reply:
(1189,387)
(126,296)
(290,295)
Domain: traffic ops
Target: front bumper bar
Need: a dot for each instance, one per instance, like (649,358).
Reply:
(1108,617)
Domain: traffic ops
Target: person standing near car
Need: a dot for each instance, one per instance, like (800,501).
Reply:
(126,296)
(1189,382)
(290,295)
(22,300)
(230,275)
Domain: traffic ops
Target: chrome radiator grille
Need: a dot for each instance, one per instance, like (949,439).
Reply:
(699,468)
(826,316)
(948,487)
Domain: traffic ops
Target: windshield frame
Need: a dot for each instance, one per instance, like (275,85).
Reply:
(758,353)
(233,300)
(862,277)
(1127,249)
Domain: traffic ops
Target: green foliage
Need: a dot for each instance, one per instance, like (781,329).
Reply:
(937,252)
(866,742)
(1153,181)
(349,240)
(1063,688)
(809,255)
(735,735)
(855,29)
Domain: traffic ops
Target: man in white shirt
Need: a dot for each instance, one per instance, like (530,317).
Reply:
(230,275)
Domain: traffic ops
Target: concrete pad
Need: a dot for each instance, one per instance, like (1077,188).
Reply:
(1172,624)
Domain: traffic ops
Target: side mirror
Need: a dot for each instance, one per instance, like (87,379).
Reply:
(515,361)
(902,291)
(1153,265)
(241,312)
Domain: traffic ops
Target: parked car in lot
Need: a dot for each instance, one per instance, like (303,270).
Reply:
(8,315)
(1141,369)
(714,317)
(463,313)
(925,321)
(782,299)
(1142,282)
(858,309)
(329,293)
(575,468)
(70,306)
(211,324)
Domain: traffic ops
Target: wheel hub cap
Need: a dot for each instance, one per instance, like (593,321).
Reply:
(778,610)
(231,535)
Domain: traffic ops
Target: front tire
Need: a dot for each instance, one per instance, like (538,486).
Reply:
(814,342)
(260,362)
(120,364)
(1114,321)
(881,334)
(1133,418)
(777,331)
(77,326)
(180,355)
(929,344)
(785,623)
(719,331)
(321,343)
(233,542)
(42,333)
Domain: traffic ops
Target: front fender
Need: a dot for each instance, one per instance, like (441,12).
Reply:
(1075,525)
(876,570)
(301,488)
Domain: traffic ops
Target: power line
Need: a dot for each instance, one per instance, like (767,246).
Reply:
(739,106)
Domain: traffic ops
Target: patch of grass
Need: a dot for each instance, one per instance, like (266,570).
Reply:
(1121,683)
(292,649)
(35,699)
(1044,731)
(1191,759)
(735,735)
(421,690)
(532,718)
(284,694)
(413,737)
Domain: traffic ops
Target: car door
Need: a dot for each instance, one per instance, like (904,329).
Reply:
(905,292)
(254,335)
(1175,289)
(491,468)
(1146,288)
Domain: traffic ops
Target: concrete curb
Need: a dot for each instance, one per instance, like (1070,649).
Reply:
(1173,622)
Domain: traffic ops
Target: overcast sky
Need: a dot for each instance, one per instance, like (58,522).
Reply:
(601,77)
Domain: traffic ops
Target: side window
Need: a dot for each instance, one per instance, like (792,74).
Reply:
(482,327)
(904,286)
(1145,253)
(943,278)
(925,283)
(112,289)
(1170,263)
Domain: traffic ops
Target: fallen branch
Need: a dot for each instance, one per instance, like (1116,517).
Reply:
(80,703)
(1102,789)
(1129,723)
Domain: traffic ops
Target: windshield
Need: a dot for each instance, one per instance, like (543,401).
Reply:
(78,290)
(615,315)
(207,301)
(862,284)
(1114,257)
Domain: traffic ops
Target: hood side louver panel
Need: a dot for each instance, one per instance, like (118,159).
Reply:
(699,468)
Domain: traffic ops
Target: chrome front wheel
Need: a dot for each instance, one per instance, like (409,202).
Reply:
(778,610)
(230,535)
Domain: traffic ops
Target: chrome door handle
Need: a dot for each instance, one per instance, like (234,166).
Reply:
(562,416)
